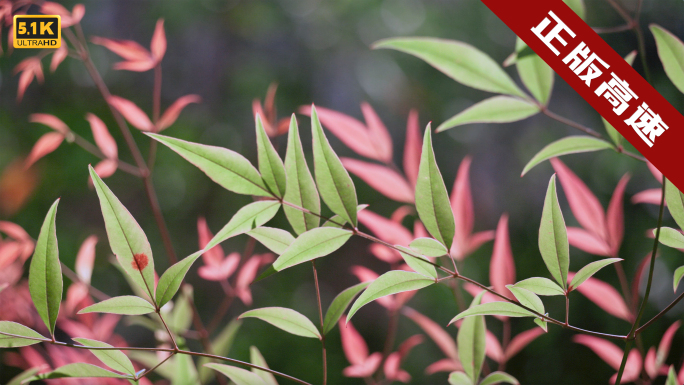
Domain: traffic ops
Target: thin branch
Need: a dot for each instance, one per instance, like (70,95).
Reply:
(91,148)
(173,339)
(621,28)
(662,313)
(75,278)
(146,372)
(320,316)
(570,123)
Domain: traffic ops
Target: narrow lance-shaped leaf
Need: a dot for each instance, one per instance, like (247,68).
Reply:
(227,168)
(45,273)
(16,329)
(420,264)
(432,200)
(79,370)
(567,145)
(256,358)
(499,378)
(334,183)
(527,298)
(338,221)
(428,247)
(497,109)
(535,74)
(494,308)
(340,304)
(553,237)
(270,165)
(671,53)
(301,189)
(471,343)
(392,282)
(127,305)
(675,203)
(237,375)
(276,240)
(459,378)
(246,219)
(614,135)
(19,379)
(286,319)
(541,286)
(220,346)
(170,281)
(126,238)
(589,270)
(115,359)
(678,274)
(313,244)
(670,237)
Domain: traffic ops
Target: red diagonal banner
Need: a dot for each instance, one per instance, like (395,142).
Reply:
(601,76)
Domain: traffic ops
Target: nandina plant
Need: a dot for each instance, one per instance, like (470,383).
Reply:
(71,336)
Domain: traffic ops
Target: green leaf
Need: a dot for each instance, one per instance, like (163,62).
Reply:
(19,379)
(535,74)
(678,274)
(527,298)
(339,222)
(631,56)
(246,219)
(587,271)
(276,240)
(565,146)
(392,282)
(181,315)
(301,189)
(671,53)
(126,238)
(185,371)
(333,180)
(312,244)
(340,304)
(461,62)
(432,200)
(498,378)
(577,6)
(553,237)
(497,109)
(220,346)
(238,375)
(459,378)
(494,308)
(17,330)
(45,273)
(428,247)
(127,305)
(675,203)
(471,343)
(286,319)
(270,165)
(115,359)
(541,323)
(614,135)
(671,377)
(416,263)
(256,358)
(79,370)
(170,281)
(541,286)
(150,359)
(227,168)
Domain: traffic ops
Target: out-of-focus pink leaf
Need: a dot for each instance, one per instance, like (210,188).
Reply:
(636,283)
(476,240)
(14,230)
(656,173)
(365,369)
(680,376)
(171,114)
(221,271)
(378,134)
(392,369)
(615,217)
(258,110)
(583,203)
(502,266)
(104,140)
(443,365)
(76,294)
(520,341)
(58,57)
(604,296)
(133,114)
(665,343)
(586,241)
(247,274)
(45,145)
(51,121)
(106,168)
(353,345)
(366,275)
(650,196)
(134,66)
(30,68)
(443,339)
(419,231)
(650,363)
(384,253)
(400,213)
(408,344)
(68,18)
(127,49)
(462,205)
(412,147)
(486,298)
(85,259)
(606,350)
(158,44)
(385,229)
(493,347)
(213,256)
(383,179)
(632,368)
(9,252)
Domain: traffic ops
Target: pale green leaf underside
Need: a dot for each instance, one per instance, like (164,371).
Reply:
(541,286)
(461,62)
(671,53)
(428,247)
(675,203)
(170,281)
(535,74)
(671,237)
(678,274)
(270,165)
(312,244)
(276,240)
(542,324)
(338,221)
(565,146)
(126,305)
(246,219)
(79,370)
(614,135)
(237,375)
(45,273)
(419,264)
(527,298)
(494,308)
(497,109)
(459,378)
(553,237)
(115,359)
(577,6)
(587,271)
(256,358)
(286,319)
(220,346)
(471,341)
(392,282)
(17,330)
(499,378)
(339,304)
(19,379)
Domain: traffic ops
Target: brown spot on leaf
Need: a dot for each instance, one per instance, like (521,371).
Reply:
(140,261)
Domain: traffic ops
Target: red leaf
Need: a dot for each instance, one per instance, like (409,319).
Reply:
(462,206)
(384,253)
(412,147)
(651,196)
(493,347)
(213,256)
(9,252)
(584,205)
(135,66)
(158,44)
(443,365)
(385,229)
(68,18)
(221,271)
(666,342)
(650,363)
(15,231)
(105,168)
(606,350)
(520,341)
(85,259)
(615,217)
(443,339)
(45,145)
(656,173)
(29,68)
(378,134)
(127,49)
(632,368)
(408,344)
(353,345)
(171,113)
(247,274)
(58,57)
(51,121)
(366,275)
(383,179)
(258,110)
(586,241)
(135,116)
(365,369)
(476,240)
(104,140)
(604,296)
(502,266)
(393,370)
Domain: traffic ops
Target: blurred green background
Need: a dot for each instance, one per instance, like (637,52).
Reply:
(318,51)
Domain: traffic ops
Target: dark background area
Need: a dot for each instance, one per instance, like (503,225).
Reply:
(318,51)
